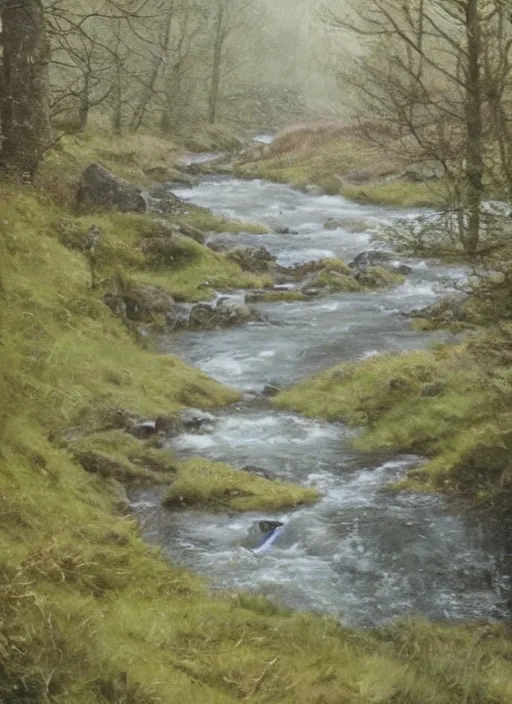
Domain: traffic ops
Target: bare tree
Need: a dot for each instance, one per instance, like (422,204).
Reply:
(434,70)
(184,51)
(229,17)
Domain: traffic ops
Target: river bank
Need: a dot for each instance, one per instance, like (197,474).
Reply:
(364,166)
(88,611)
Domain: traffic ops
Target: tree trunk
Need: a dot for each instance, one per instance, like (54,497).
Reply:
(473,117)
(218,45)
(117,107)
(149,89)
(25,109)
(84,104)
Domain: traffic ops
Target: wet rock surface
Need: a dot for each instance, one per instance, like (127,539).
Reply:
(99,188)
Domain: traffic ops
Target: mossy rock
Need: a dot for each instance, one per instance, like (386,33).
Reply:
(379,277)
(123,457)
(169,252)
(218,487)
(331,280)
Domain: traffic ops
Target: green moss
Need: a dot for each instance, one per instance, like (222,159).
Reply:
(336,264)
(180,265)
(142,159)
(334,281)
(216,486)
(212,138)
(208,222)
(197,282)
(397,194)
(441,403)
(379,277)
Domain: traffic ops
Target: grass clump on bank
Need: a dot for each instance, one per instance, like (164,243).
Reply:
(341,161)
(217,486)
(448,404)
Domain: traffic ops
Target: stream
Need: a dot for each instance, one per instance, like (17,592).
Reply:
(363,554)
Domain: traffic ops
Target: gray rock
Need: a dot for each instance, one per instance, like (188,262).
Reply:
(100,188)
(285,231)
(402,269)
(449,309)
(161,200)
(226,313)
(143,302)
(218,245)
(257,471)
(370,258)
(195,420)
(253,259)
(169,250)
(350,224)
(116,304)
(269,390)
(202,316)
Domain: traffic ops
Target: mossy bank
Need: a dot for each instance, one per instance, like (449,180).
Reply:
(89,614)
(341,160)
(450,404)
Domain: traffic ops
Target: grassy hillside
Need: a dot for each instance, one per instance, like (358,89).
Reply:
(89,614)
(341,161)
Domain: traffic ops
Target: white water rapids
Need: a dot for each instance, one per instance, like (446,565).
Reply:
(362,553)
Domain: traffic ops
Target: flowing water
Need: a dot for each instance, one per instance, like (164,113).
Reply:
(361,553)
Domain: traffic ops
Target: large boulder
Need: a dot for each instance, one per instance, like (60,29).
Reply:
(100,188)
(251,258)
(372,257)
(446,311)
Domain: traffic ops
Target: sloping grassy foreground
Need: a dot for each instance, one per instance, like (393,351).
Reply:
(452,404)
(340,161)
(89,614)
